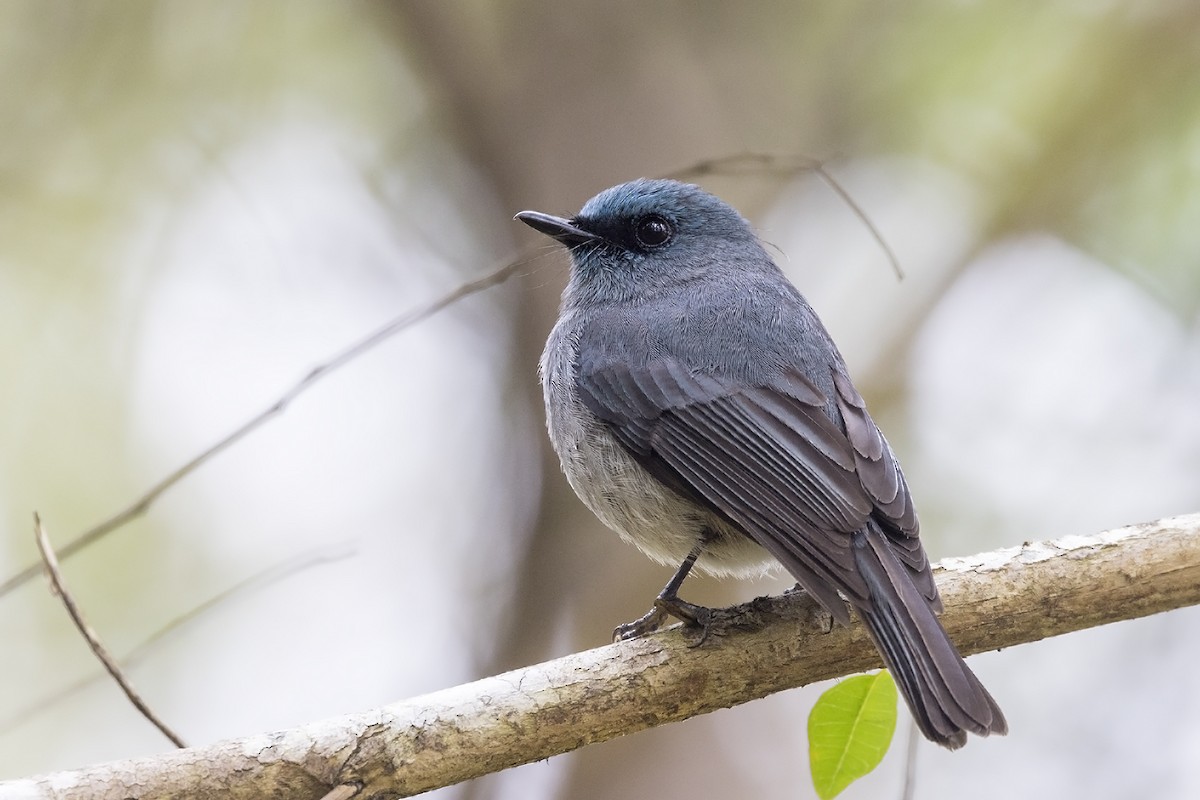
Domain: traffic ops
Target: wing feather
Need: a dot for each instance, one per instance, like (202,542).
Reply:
(769,458)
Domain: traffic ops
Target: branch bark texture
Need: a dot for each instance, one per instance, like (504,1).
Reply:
(993,600)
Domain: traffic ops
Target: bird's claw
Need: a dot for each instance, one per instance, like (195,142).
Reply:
(647,624)
(693,616)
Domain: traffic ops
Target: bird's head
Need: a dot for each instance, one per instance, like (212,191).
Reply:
(649,235)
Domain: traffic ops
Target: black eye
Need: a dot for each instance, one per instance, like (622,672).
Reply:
(653,231)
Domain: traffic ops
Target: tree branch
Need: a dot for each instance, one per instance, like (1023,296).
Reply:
(993,600)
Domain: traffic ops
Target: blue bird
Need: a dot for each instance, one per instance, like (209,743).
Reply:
(700,409)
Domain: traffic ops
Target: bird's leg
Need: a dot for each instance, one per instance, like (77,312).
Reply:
(668,604)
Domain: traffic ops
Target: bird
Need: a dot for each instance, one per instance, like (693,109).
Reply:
(700,409)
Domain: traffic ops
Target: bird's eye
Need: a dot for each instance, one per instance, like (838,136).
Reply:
(653,231)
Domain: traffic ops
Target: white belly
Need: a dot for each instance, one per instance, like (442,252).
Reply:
(627,498)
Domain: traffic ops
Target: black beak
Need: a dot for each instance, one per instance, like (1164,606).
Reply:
(563,230)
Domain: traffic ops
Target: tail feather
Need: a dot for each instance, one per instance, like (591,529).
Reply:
(945,697)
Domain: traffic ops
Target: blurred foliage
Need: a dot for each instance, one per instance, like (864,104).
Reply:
(1085,115)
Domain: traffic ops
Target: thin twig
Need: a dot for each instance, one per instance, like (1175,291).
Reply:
(781,165)
(60,588)
(143,503)
(260,580)
(862,216)
(787,166)
(910,761)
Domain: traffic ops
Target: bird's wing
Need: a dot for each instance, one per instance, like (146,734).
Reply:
(883,480)
(769,459)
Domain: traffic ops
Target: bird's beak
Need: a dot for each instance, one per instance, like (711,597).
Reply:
(557,228)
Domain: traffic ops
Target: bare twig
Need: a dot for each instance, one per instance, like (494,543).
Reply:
(908,792)
(787,166)
(775,164)
(993,600)
(60,588)
(260,580)
(863,217)
(139,506)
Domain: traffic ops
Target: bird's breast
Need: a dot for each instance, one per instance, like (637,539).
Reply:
(619,491)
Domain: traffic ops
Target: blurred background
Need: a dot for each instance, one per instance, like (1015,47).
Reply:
(201,202)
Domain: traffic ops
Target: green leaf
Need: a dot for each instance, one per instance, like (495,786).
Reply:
(849,730)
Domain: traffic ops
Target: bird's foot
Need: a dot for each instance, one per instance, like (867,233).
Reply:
(652,621)
(664,607)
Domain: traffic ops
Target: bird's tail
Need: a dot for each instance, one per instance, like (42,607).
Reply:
(945,697)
